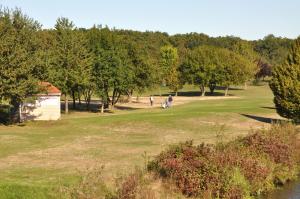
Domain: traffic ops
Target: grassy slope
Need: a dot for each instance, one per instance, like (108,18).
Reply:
(39,155)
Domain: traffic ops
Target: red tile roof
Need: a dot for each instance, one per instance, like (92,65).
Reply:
(49,88)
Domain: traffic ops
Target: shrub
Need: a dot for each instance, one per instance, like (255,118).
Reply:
(239,169)
(129,186)
(136,185)
(90,185)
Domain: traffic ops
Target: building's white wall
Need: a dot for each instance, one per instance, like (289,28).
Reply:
(45,108)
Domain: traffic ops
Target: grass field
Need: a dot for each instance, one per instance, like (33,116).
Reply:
(38,156)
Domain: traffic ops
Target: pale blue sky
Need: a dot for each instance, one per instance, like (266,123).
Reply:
(249,19)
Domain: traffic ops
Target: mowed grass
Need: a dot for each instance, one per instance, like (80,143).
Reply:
(37,157)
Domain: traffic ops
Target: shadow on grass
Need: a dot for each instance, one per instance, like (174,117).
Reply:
(263,119)
(219,91)
(94,107)
(268,107)
(194,94)
(127,108)
(230,88)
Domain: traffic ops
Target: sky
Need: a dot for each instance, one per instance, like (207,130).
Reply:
(248,19)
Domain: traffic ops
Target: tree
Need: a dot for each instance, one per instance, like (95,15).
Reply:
(273,49)
(169,68)
(144,71)
(45,54)
(285,84)
(232,68)
(72,61)
(264,69)
(199,65)
(112,69)
(18,46)
(208,66)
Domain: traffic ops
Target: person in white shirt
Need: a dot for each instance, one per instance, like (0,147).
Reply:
(151,100)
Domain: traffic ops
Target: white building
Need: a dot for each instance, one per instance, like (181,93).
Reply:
(46,105)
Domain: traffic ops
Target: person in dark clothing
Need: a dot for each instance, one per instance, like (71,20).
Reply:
(170,100)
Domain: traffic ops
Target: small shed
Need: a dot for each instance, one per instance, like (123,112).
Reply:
(45,106)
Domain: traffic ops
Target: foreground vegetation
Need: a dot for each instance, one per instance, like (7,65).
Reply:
(243,168)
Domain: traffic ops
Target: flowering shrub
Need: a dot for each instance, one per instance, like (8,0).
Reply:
(243,168)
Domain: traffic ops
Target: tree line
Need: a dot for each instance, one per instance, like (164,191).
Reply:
(111,63)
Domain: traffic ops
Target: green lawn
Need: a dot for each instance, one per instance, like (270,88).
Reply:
(37,156)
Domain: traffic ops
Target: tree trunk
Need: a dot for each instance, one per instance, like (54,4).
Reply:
(66,104)
(245,86)
(112,106)
(79,98)
(87,94)
(159,90)
(88,102)
(212,88)
(176,93)
(15,112)
(226,90)
(113,100)
(202,88)
(74,99)
(130,96)
(102,106)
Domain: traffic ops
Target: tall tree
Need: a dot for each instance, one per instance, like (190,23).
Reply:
(72,59)
(232,68)
(18,47)
(144,71)
(199,66)
(169,68)
(285,84)
(112,69)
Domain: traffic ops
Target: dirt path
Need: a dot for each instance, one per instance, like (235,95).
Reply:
(144,102)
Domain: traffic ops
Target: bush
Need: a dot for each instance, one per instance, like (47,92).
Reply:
(239,169)
(90,185)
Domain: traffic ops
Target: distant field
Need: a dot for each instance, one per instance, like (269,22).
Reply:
(37,156)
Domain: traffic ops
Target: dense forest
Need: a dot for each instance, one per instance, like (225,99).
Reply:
(109,63)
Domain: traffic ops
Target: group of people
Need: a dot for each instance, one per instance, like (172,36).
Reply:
(166,104)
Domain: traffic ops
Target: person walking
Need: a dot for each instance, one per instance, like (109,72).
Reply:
(170,100)
(151,100)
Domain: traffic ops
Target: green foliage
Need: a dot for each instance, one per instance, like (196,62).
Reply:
(112,70)
(71,66)
(273,49)
(199,66)
(144,70)
(169,68)
(207,65)
(285,85)
(17,56)
(71,63)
